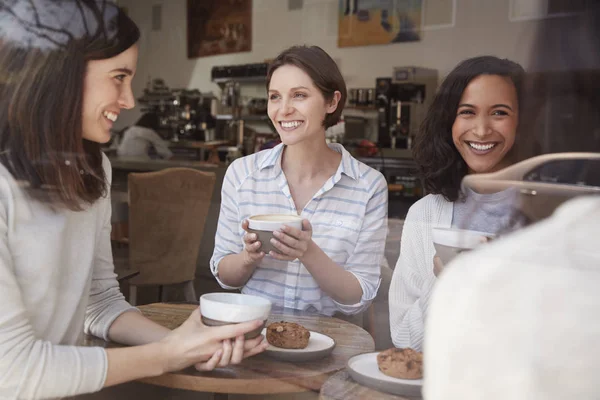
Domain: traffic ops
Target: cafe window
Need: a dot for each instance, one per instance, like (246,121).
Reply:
(567,172)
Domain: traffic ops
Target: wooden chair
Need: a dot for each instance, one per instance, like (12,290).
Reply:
(167,212)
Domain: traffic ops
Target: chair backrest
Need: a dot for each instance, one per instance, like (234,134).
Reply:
(167,212)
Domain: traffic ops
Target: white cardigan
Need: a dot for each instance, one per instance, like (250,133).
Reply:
(413,278)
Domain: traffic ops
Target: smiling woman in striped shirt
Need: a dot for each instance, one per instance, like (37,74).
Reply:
(333,263)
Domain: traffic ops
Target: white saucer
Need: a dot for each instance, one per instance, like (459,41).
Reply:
(319,346)
(364,370)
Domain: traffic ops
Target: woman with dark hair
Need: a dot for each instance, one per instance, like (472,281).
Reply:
(470,128)
(140,138)
(333,263)
(66,70)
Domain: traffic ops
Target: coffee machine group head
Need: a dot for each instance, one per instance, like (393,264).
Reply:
(401,102)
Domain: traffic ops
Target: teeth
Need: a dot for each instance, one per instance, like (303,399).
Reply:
(481,147)
(291,124)
(111,115)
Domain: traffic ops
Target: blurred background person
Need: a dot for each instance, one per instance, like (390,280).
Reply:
(142,139)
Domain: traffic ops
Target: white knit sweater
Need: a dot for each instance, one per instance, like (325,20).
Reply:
(413,278)
(57,280)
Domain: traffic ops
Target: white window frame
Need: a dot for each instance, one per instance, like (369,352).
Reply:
(543,15)
(438,26)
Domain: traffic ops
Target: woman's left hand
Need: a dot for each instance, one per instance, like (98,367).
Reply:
(438,266)
(292,243)
(233,352)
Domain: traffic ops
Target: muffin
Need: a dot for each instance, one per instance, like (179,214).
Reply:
(401,363)
(287,335)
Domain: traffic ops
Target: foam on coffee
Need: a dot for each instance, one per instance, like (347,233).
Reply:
(275,218)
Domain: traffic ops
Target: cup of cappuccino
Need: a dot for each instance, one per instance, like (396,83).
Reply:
(264,225)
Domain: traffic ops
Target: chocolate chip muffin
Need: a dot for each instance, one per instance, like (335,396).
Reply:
(401,363)
(288,335)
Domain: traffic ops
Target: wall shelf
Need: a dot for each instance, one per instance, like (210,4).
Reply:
(360,108)
(245,79)
(230,117)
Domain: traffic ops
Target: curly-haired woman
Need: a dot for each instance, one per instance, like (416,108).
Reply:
(470,128)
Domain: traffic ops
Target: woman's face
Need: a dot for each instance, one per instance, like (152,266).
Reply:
(486,123)
(296,106)
(106,91)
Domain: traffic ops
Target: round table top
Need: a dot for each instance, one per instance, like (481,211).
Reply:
(341,386)
(261,374)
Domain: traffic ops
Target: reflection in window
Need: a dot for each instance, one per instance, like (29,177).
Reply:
(567,172)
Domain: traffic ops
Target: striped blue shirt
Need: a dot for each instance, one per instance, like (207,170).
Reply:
(348,216)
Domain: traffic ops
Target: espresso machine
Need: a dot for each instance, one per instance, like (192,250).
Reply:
(183,113)
(402,101)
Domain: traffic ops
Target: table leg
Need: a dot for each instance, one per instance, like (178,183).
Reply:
(213,156)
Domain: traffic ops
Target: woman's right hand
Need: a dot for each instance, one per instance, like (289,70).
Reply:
(252,252)
(194,343)
(438,264)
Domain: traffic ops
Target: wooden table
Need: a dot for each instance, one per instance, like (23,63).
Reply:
(342,387)
(261,374)
(201,146)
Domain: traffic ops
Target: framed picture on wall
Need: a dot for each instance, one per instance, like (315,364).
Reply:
(218,27)
(368,22)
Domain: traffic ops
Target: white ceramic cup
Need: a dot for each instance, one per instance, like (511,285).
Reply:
(449,242)
(264,225)
(233,308)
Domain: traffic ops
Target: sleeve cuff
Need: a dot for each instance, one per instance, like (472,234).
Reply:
(102,362)
(118,309)
(92,370)
(214,268)
(364,302)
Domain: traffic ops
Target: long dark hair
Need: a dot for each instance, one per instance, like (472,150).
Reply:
(323,71)
(41,96)
(440,164)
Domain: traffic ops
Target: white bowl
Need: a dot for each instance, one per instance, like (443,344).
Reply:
(234,307)
(273,222)
(449,242)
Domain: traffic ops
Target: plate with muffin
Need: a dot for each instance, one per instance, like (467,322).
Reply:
(292,342)
(396,371)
